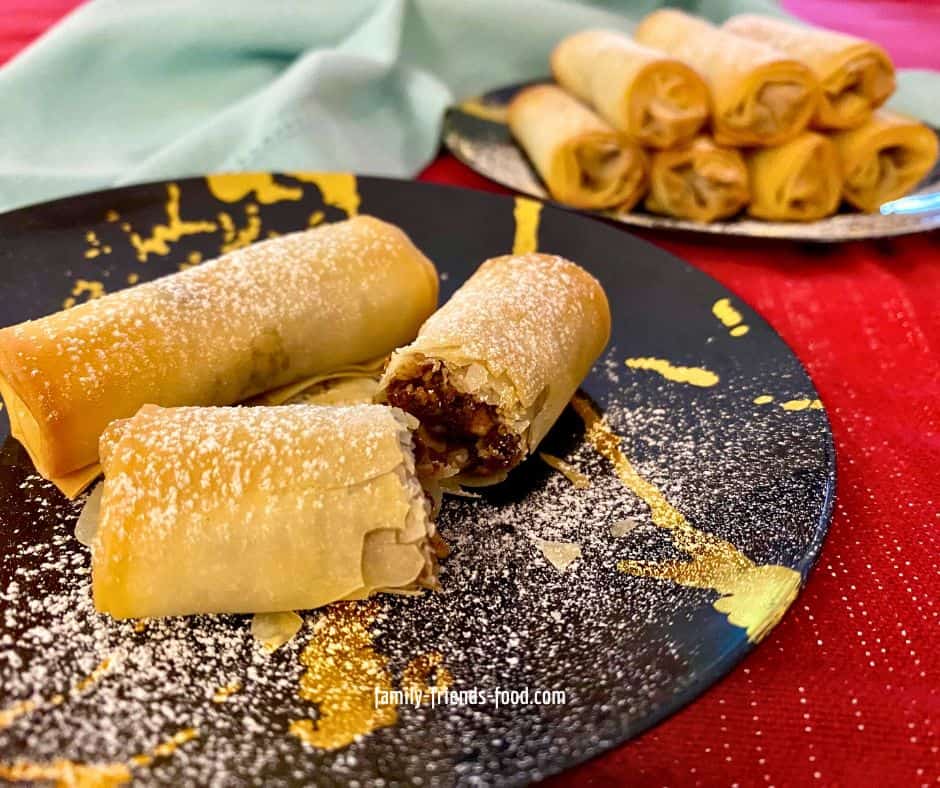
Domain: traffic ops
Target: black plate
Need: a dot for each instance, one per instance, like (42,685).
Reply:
(753,482)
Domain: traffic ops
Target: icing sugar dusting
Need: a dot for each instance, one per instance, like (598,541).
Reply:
(536,313)
(505,617)
(236,325)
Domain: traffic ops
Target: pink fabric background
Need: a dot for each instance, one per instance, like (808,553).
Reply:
(908,29)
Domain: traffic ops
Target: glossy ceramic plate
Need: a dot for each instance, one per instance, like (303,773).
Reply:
(703,497)
(475,131)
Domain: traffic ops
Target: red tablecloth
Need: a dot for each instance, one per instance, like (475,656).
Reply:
(846,690)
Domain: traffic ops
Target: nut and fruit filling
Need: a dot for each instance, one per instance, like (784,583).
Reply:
(459,433)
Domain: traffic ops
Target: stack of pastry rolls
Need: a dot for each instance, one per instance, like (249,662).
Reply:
(700,122)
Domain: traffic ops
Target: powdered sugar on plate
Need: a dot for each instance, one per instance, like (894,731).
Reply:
(616,645)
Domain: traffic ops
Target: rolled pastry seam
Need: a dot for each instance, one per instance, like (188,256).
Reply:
(798,181)
(655,99)
(344,391)
(310,390)
(248,510)
(760,96)
(701,181)
(884,159)
(299,305)
(856,76)
(584,162)
(491,371)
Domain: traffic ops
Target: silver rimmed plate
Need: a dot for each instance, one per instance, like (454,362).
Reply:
(476,133)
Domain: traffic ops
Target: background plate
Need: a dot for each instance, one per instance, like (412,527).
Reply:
(475,133)
(723,516)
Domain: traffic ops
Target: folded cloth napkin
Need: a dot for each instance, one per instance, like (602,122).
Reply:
(125,91)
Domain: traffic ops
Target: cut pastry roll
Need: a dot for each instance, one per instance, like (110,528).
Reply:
(856,76)
(584,162)
(655,99)
(296,306)
(491,371)
(884,159)
(760,95)
(798,181)
(263,509)
(701,181)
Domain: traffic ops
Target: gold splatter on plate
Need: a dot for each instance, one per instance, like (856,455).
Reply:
(475,131)
(558,634)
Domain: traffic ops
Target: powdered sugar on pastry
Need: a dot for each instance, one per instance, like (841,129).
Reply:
(258,318)
(519,336)
(208,510)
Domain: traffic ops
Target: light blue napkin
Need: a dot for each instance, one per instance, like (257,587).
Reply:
(125,91)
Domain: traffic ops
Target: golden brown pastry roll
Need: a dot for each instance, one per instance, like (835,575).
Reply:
(856,76)
(295,306)
(492,370)
(884,159)
(700,181)
(760,96)
(655,99)
(247,510)
(584,162)
(799,181)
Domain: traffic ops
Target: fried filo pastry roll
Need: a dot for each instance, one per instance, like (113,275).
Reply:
(491,371)
(856,76)
(701,181)
(255,319)
(655,99)
(584,162)
(258,509)
(760,95)
(799,181)
(884,159)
